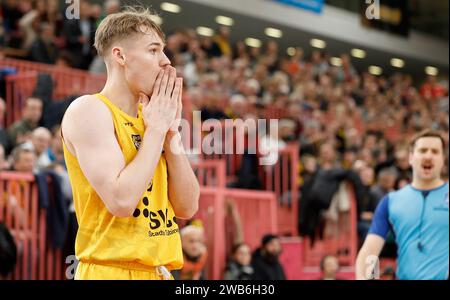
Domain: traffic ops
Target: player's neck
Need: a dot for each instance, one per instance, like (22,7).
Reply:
(426,185)
(119,93)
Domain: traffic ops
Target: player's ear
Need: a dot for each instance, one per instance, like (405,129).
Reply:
(118,55)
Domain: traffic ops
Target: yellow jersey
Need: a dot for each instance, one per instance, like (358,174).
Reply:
(149,238)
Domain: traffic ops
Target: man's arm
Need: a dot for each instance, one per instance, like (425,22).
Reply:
(368,256)
(371,249)
(183,186)
(89,130)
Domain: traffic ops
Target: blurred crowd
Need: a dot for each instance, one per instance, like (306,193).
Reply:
(343,118)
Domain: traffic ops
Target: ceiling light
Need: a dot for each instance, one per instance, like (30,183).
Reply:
(316,43)
(397,62)
(358,53)
(433,71)
(170,7)
(222,20)
(291,51)
(375,70)
(205,31)
(273,32)
(336,61)
(252,42)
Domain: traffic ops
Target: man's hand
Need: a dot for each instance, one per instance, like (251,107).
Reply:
(160,110)
(176,122)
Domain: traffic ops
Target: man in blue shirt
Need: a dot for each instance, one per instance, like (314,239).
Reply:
(417,215)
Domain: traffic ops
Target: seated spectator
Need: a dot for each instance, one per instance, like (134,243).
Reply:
(265,261)
(431,89)
(211,109)
(237,107)
(55,152)
(31,115)
(329,265)
(23,160)
(40,143)
(194,252)
(239,267)
(385,184)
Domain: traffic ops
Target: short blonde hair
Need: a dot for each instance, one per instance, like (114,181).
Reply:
(123,25)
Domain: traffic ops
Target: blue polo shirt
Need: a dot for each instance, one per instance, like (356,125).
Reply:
(420,222)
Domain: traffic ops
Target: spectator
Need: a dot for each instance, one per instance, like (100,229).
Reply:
(43,48)
(194,252)
(329,265)
(31,115)
(431,89)
(239,266)
(221,39)
(29,24)
(23,160)
(385,183)
(79,35)
(265,261)
(40,144)
(367,204)
(237,107)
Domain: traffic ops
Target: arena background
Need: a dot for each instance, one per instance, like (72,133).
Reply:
(349,92)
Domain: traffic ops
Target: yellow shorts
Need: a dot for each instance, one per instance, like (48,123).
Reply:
(87,271)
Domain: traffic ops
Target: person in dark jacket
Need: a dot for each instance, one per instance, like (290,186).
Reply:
(265,261)
(43,49)
(239,267)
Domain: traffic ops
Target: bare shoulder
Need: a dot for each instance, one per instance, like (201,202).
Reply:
(86,116)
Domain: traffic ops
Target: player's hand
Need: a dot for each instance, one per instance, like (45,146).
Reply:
(160,110)
(176,123)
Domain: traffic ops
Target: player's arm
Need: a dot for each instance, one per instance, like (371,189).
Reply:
(368,255)
(184,190)
(89,129)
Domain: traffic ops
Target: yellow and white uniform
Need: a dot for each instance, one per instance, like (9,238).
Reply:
(137,247)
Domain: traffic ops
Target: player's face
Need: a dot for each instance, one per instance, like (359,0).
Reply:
(427,158)
(144,58)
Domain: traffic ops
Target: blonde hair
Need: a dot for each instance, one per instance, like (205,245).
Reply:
(123,25)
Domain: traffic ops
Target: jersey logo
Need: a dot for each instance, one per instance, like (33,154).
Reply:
(136,140)
(129,124)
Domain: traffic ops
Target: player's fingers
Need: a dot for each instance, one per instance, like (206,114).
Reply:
(177,90)
(157,84)
(180,96)
(164,81)
(171,82)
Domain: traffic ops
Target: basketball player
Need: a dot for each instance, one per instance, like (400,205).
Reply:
(128,186)
(417,214)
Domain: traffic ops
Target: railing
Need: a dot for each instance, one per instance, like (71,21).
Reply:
(19,209)
(66,81)
(282,179)
(257,212)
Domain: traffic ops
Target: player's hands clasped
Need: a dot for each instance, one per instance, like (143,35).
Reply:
(159,112)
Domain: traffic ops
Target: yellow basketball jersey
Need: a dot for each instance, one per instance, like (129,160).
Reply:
(150,237)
